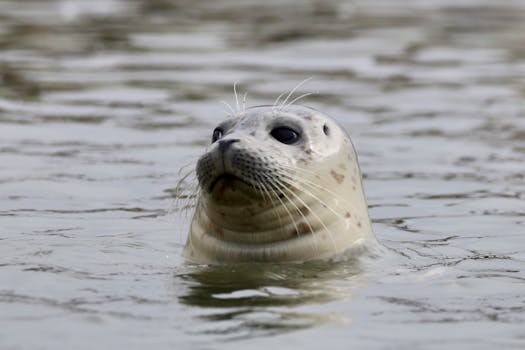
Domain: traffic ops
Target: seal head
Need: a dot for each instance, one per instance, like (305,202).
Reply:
(278,184)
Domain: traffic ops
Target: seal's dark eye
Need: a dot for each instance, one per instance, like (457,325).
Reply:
(217,134)
(285,135)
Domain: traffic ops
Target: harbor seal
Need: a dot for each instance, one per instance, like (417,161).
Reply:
(278,185)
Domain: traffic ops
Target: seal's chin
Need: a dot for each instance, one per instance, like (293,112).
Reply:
(222,180)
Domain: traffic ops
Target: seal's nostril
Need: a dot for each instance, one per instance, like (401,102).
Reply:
(225,144)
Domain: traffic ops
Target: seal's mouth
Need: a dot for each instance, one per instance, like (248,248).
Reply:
(225,180)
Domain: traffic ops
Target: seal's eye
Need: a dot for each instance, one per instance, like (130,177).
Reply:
(285,135)
(217,134)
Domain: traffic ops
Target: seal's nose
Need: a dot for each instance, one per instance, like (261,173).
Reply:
(225,144)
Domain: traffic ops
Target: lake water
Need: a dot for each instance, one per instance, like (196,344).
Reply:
(103,102)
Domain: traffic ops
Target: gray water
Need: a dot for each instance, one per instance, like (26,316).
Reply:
(103,102)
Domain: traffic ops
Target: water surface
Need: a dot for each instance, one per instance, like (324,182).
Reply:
(101,104)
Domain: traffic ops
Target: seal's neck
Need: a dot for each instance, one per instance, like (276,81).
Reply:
(261,221)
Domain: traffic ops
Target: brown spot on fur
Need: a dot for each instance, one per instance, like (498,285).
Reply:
(359,224)
(308,151)
(215,230)
(339,178)
(252,133)
(302,229)
(354,188)
(304,210)
(308,117)
(348,215)
(303,160)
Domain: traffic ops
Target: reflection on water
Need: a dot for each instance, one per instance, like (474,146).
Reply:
(250,300)
(102,102)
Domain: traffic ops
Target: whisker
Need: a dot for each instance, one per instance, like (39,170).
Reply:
(270,181)
(184,199)
(293,90)
(244,101)
(229,107)
(261,188)
(192,199)
(330,233)
(272,203)
(185,194)
(311,183)
(298,98)
(293,182)
(278,98)
(236,97)
(186,180)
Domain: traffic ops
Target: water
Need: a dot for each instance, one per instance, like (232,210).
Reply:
(102,103)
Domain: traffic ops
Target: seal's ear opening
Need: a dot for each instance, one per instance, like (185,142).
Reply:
(326,129)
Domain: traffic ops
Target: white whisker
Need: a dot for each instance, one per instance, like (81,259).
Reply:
(244,101)
(293,182)
(330,234)
(315,238)
(229,107)
(272,203)
(278,98)
(236,97)
(293,90)
(298,98)
(283,204)
(311,183)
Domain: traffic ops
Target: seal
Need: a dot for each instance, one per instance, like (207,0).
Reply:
(278,185)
